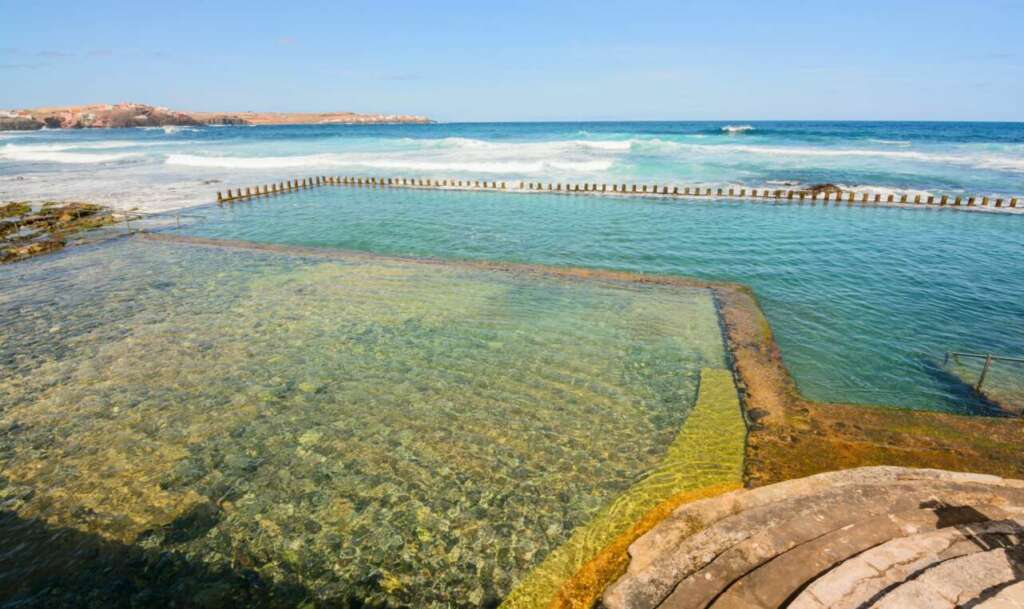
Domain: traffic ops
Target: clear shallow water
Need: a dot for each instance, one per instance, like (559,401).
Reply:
(157,168)
(864,301)
(302,428)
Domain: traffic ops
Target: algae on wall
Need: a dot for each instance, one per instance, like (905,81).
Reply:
(706,458)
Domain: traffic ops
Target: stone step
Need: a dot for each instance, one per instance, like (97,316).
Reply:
(961,582)
(857,581)
(774,583)
(704,547)
(1009,597)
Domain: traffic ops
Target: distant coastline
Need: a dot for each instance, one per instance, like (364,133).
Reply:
(126,115)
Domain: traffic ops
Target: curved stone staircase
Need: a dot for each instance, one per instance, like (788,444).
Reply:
(882,537)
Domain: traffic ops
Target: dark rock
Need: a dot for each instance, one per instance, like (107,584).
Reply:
(819,189)
(19,123)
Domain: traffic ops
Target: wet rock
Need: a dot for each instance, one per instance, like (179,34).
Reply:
(193,524)
(820,189)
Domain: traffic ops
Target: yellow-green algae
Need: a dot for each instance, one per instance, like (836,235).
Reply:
(706,454)
(383,433)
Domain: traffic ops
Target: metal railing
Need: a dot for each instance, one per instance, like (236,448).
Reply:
(126,217)
(988,357)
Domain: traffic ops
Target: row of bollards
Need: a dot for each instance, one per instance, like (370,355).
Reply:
(618,189)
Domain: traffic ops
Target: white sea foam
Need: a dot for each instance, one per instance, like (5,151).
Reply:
(981,160)
(379,162)
(734,129)
(49,153)
(511,147)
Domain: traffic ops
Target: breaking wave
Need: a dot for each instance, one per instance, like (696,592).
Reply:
(376,162)
(57,153)
(733,129)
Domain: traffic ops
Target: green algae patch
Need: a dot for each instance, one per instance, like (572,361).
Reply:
(704,459)
(27,232)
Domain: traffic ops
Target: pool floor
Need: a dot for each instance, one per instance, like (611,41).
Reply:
(357,430)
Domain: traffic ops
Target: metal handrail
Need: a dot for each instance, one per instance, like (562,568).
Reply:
(127,214)
(988,357)
(984,356)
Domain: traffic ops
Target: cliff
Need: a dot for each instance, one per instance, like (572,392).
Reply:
(107,116)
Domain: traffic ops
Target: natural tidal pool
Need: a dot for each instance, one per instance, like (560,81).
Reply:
(226,427)
(864,301)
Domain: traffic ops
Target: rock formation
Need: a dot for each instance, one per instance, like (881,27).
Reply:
(104,116)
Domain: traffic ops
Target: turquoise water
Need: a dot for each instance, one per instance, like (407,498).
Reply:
(864,301)
(157,168)
(193,426)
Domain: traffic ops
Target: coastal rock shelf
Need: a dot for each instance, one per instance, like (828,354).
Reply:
(826,192)
(877,537)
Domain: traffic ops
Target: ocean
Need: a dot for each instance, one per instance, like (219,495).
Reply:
(173,167)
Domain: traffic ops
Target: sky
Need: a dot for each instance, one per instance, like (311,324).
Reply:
(526,61)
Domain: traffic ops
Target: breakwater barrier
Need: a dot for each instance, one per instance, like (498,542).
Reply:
(824,194)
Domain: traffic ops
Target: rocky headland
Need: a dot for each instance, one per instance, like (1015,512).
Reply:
(108,116)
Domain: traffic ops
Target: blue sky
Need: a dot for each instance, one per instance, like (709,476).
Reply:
(467,61)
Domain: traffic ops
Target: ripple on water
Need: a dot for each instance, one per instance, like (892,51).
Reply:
(388,431)
(863,301)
